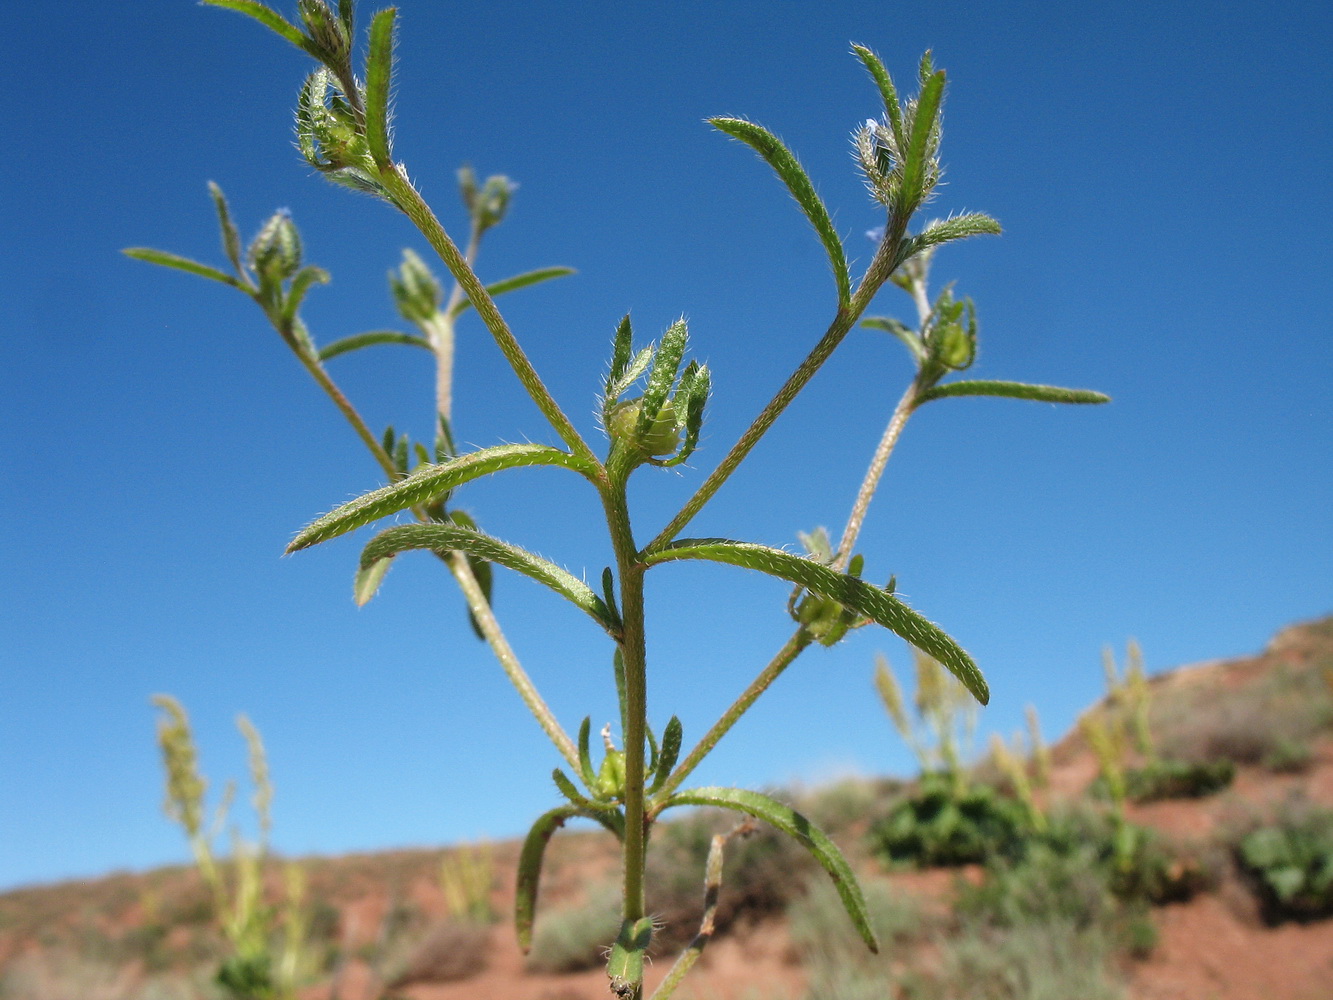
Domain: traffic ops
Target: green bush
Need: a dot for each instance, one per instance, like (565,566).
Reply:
(572,938)
(1178,779)
(939,825)
(1290,865)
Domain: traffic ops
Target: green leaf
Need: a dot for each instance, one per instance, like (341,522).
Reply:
(429,482)
(368,580)
(530,859)
(516,282)
(180,264)
(265,16)
(379,72)
(306,278)
(861,597)
(958,227)
(436,537)
(624,966)
(618,670)
(1013,390)
(887,91)
(569,790)
(609,593)
(231,239)
(666,364)
(637,366)
(790,172)
(809,836)
(621,351)
(925,124)
(900,330)
(585,756)
(671,739)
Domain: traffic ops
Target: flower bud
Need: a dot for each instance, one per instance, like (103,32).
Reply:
(275,253)
(610,783)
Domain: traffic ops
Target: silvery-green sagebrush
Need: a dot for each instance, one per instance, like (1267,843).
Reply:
(653,404)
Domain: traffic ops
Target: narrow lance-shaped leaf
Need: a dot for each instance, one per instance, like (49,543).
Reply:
(452,537)
(269,18)
(368,580)
(618,670)
(637,366)
(379,71)
(809,836)
(862,598)
(516,282)
(924,123)
(306,278)
(793,175)
(585,755)
(887,91)
(231,239)
(1013,390)
(900,330)
(569,790)
(666,760)
(180,264)
(530,870)
(663,375)
(958,227)
(427,483)
(695,394)
(621,350)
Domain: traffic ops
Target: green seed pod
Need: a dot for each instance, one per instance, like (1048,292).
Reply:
(661,438)
(275,253)
(610,782)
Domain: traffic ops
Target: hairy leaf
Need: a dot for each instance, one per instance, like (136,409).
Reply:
(231,239)
(379,72)
(892,109)
(924,124)
(666,760)
(585,755)
(368,580)
(425,484)
(796,826)
(180,264)
(861,597)
(452,537)
(793,175)
(666,364)
(900,330)
(958,227)
(306,278)
(516,282)
(530,869)
(637,366)
(1014,390)
(621,350)
(269,18)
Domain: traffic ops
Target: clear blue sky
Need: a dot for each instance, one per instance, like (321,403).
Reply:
(1163,175)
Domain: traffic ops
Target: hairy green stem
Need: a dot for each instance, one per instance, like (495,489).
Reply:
(440,332)
(407,198)
(873,474)
(633,652)
(495,638)
(794,647)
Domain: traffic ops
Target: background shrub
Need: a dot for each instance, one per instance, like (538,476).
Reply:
(940,825)
(1290,864)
